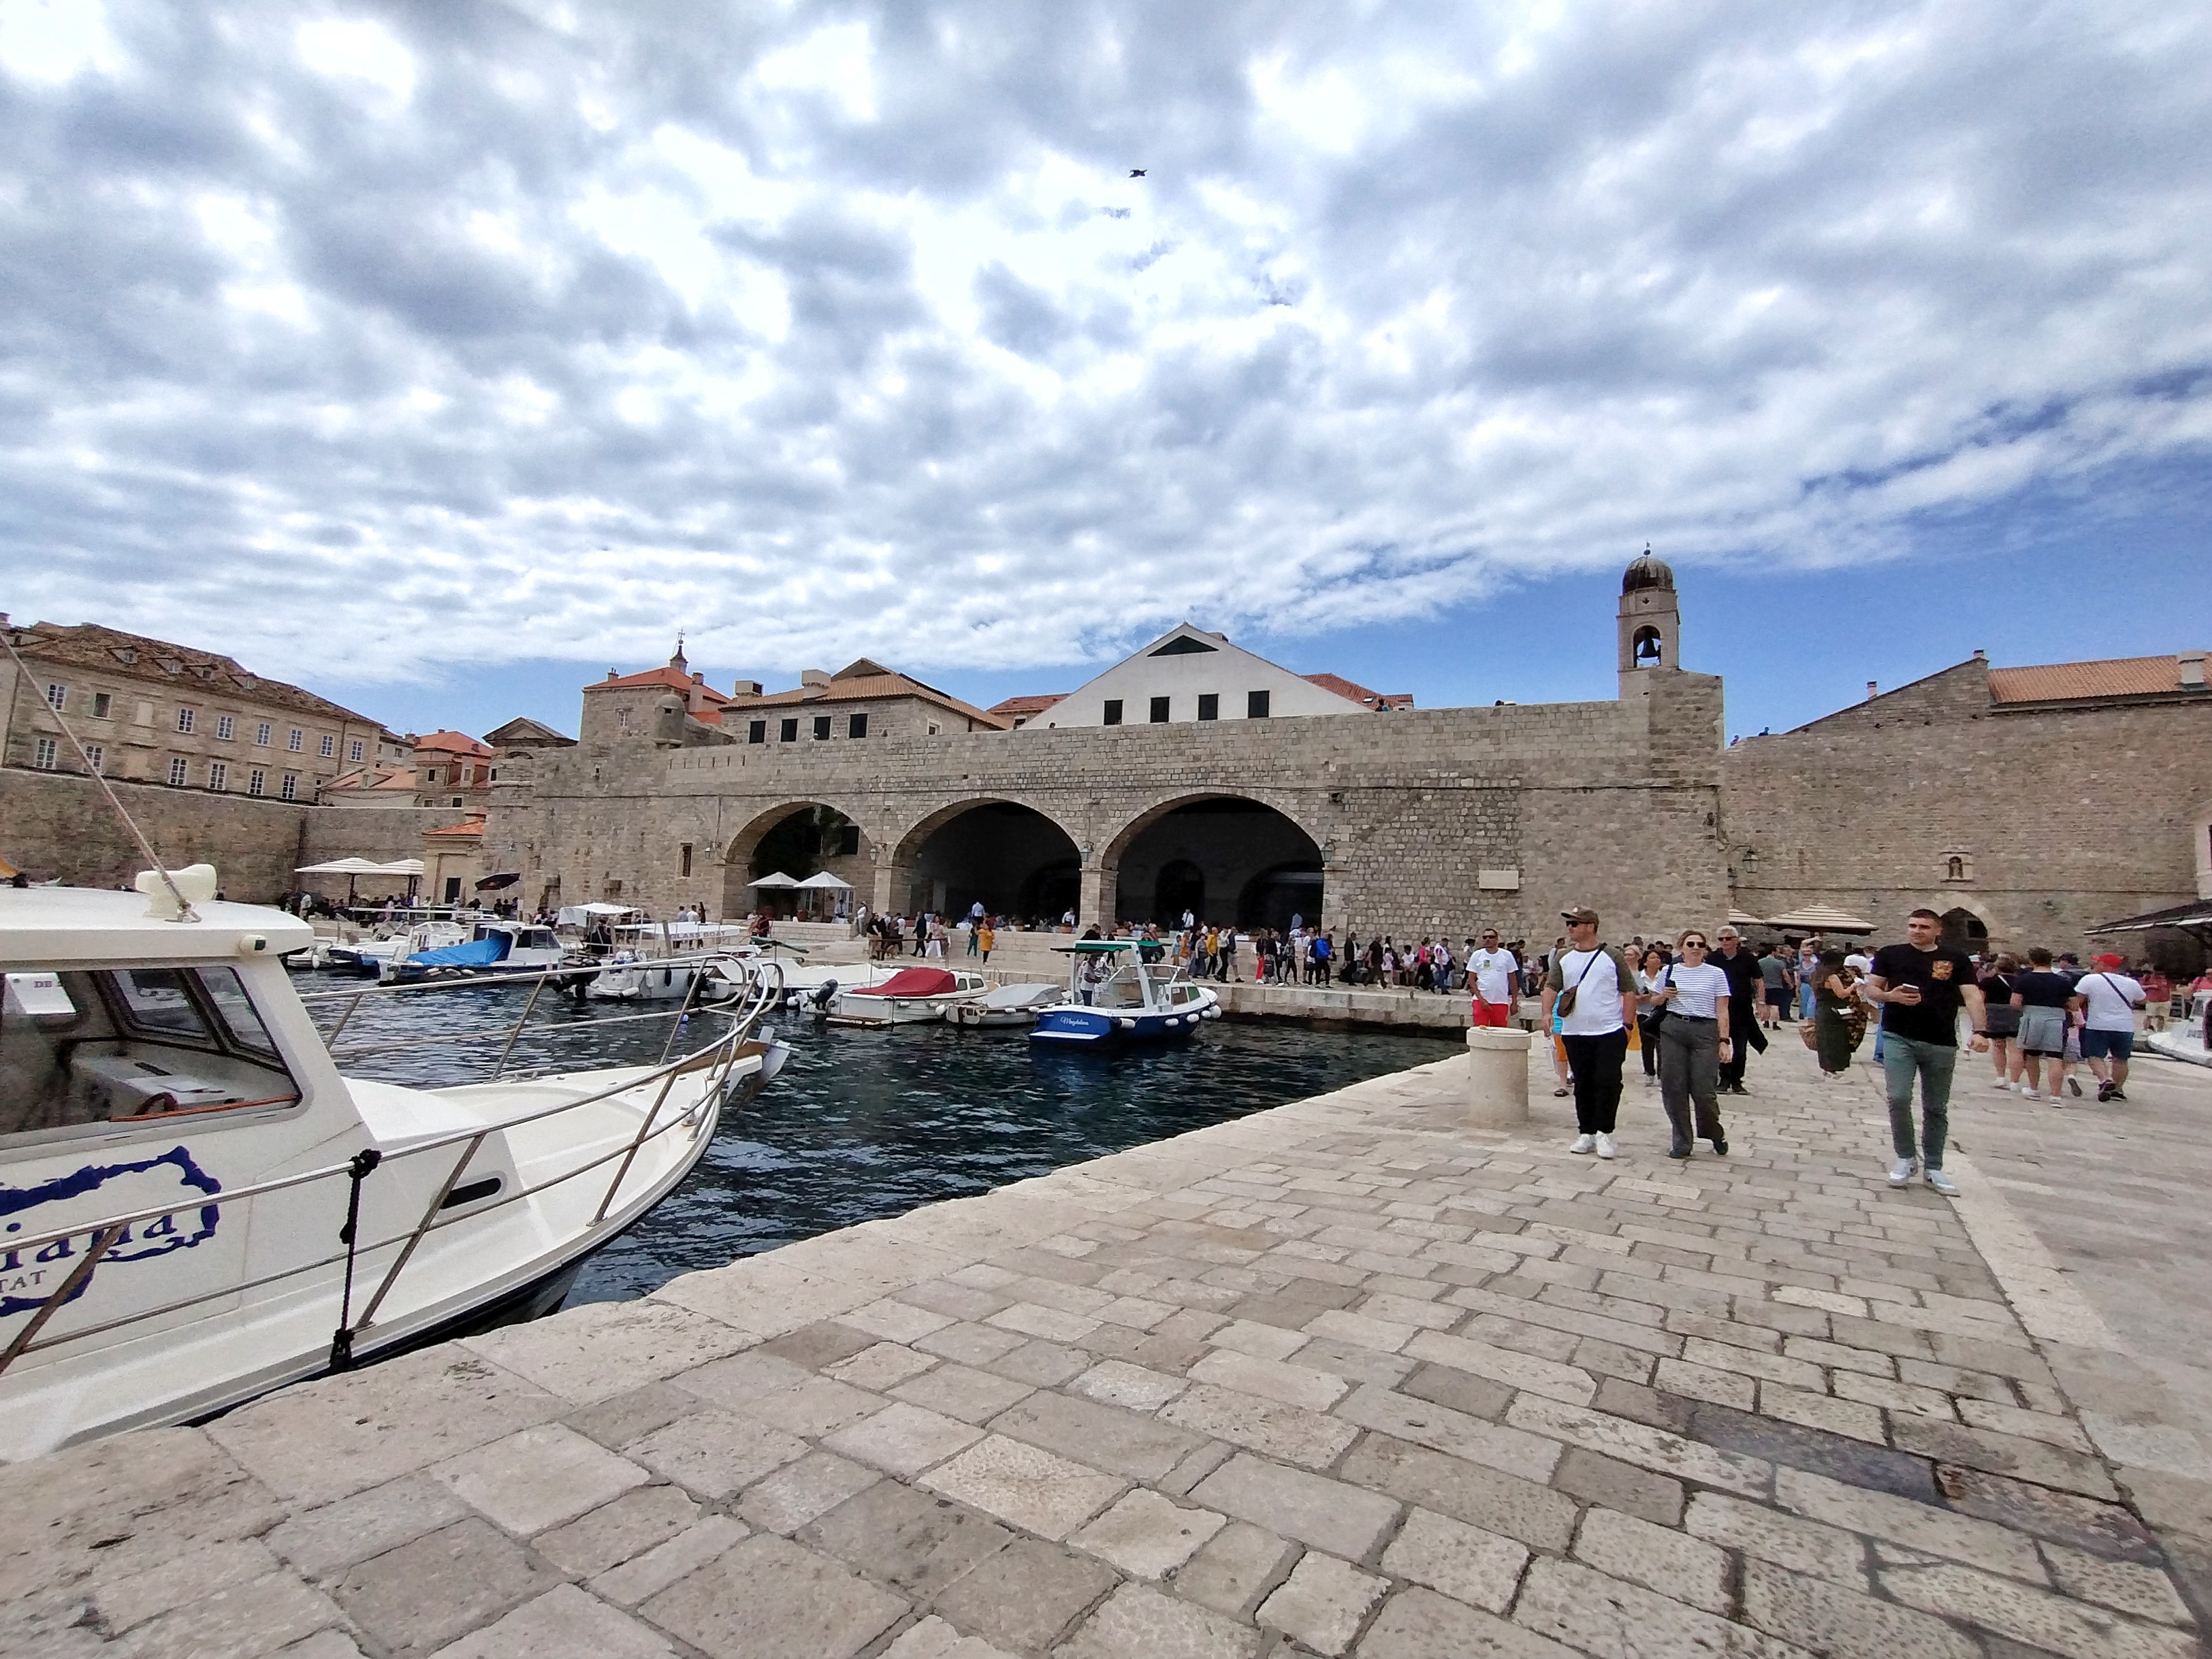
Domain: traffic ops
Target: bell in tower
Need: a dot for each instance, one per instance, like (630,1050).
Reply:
(1650,626)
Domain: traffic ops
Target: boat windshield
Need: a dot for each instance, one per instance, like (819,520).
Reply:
(82,1051)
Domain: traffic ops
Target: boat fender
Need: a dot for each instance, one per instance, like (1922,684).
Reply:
(251,944)
(1126,1022)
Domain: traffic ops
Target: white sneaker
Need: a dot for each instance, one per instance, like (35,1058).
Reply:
(1605,1145)
(1901,1171)
(2029,1094)
(1585,1144)
(1942,1183)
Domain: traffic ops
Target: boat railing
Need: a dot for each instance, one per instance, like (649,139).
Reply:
(716,1059)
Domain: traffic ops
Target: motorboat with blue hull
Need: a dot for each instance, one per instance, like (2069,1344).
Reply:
(199,1206)
(494,950)
(1114,997)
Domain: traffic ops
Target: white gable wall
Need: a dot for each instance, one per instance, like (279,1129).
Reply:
(1225,670)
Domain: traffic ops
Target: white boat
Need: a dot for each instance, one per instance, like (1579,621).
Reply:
(1008,1007)
(1115,997)
(907,998)
(386,945)
(490,950)
(624,978)
(179,1152)
(2186,1039)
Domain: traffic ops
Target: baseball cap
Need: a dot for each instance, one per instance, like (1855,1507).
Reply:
(2108,961)
(1579,912)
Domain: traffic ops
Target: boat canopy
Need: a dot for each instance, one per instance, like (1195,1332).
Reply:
(1018,996)
(477,953)
(911,982)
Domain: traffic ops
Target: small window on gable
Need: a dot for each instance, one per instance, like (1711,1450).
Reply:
(1112,711)
(1209,705)
(1255,705)
(1184,646)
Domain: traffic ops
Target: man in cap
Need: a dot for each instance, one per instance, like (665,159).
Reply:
(1490,970)
(1593,991)
(2109,999)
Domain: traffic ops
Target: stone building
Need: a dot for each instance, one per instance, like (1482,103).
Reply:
(1424,820)
(1190,674)
(2025,804)
(158,713)
(454,770)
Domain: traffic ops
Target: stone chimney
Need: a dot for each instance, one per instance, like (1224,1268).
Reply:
(1873,691)
(2193,670)
(1981,656)
(745,688)
(812,682)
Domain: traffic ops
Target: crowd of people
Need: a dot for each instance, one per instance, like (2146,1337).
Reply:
(1698,1009)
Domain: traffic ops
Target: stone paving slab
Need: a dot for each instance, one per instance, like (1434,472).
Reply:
(1338,1378)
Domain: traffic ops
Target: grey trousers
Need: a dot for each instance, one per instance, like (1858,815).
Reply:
(1689,1072)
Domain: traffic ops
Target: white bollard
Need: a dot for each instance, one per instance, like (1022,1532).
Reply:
(1497,1077)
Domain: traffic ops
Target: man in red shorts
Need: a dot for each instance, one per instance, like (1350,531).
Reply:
(1491,971)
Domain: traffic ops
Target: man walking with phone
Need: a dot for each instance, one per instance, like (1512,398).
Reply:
(1593,990)
(1920,988)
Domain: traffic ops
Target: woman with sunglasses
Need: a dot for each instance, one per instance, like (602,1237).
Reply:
(1693,1041)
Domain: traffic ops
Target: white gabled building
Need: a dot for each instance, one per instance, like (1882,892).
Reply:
(1188,674)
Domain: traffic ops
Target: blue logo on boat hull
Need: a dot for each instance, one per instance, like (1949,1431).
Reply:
(26,1284)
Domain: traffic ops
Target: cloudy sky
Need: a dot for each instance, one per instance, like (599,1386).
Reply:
(375,342)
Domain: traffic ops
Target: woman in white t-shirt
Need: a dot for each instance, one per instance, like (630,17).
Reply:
(1693,1039)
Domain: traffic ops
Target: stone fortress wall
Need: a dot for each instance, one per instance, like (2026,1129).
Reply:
(2060,818)
(56,825)
(1428,819)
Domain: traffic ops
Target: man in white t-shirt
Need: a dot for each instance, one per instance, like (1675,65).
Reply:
(2109,999)
(1490,971)
(1595,990)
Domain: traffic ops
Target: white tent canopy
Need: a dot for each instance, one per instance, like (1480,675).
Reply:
(774,878)
(360,867)
(1822,919)
(822,881)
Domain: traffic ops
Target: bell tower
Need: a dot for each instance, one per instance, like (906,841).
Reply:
(1650,626)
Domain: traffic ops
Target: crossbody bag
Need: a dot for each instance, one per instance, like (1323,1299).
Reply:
(1566,1003)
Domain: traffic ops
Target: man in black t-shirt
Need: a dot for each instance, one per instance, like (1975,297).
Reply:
(1921,988)
(1744,987)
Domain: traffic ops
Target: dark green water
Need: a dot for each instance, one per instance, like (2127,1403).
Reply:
(866,1124)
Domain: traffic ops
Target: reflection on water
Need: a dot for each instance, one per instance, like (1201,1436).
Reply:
(866,1124)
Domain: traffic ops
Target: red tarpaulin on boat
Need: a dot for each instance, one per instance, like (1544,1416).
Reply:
(912,982)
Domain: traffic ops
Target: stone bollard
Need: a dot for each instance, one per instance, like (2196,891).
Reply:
(1497,1077)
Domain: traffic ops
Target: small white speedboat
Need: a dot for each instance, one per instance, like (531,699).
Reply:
(908,997)
(1010,1007)
(197,1200)
(625,978)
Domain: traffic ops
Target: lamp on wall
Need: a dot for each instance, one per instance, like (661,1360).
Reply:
(1750,862)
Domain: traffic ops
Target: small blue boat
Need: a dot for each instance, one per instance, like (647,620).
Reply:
(1115,997)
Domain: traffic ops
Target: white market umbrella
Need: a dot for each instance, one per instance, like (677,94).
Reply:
(348,866)
(822,881)
(774,878)
(1822,919)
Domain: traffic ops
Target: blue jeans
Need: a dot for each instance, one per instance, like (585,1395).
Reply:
(1904,1058)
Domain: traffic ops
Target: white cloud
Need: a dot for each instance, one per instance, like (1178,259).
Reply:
(476,332)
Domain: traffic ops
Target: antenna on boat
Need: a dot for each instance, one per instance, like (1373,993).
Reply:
(185,911)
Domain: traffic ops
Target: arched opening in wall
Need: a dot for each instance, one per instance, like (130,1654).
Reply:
(1248,864)
(1962,930)
(1179,889)
(1648,647)
(1010,859)
(802,841)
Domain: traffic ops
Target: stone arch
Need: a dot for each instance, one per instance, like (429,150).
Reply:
(1965,926)
(1012,856)
(1241,843)
(738,852)
(1648,648)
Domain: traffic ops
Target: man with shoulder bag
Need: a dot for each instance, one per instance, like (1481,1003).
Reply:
(1592,991)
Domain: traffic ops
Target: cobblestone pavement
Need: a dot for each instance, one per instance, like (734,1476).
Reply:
(1336,1378)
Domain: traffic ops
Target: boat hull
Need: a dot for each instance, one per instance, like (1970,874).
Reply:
(1104,1028)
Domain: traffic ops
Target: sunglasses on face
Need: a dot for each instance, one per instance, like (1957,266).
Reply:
(1693,945)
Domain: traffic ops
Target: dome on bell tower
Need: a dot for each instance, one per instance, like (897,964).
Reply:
(1646,571)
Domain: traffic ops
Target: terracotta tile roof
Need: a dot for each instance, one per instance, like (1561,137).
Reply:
(88,645)
(863,689)
(1360,694)
(674,679)
(373,777)
(452,743)
(1011,707)
(465,827)
(2073,682)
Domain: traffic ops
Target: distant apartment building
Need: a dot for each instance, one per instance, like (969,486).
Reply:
(159,713)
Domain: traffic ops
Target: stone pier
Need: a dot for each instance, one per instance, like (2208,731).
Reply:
(1342,1377)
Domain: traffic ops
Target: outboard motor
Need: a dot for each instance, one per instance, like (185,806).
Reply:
(821,999)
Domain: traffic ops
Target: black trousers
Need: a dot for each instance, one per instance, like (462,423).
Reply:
(1595,1062)
(1742,1015)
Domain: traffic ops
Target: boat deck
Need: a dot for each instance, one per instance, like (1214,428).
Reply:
(1343,1374)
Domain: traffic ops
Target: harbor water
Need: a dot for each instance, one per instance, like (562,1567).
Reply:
(866,1124)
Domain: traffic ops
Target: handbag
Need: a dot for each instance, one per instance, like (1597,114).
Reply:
(1652,1021)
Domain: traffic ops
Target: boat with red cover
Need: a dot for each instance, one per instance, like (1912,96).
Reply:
(907,998)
